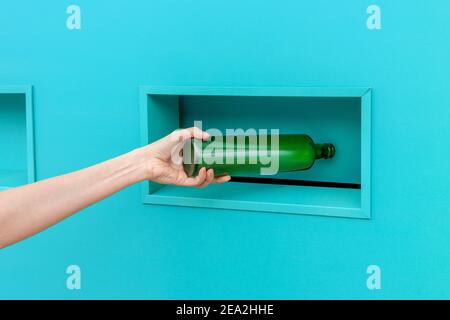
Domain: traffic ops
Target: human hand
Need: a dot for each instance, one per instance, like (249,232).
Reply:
(54,199)
(162,167)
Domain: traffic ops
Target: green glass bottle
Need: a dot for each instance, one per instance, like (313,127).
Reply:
(243,155)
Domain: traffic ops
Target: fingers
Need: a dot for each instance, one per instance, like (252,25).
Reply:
(195,181)
(196,133)
(182,135)
(222,179)
(204,178)
(209,178)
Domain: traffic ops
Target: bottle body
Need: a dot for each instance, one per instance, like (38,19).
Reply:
(249,155)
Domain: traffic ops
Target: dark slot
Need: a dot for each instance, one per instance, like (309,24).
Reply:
(290,182)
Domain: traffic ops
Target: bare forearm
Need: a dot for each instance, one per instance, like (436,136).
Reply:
(29,209)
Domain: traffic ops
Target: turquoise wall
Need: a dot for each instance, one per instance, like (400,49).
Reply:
(85,93)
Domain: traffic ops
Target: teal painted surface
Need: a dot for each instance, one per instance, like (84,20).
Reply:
(338,115)
(86,101)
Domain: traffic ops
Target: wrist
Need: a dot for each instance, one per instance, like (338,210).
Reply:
(140,158)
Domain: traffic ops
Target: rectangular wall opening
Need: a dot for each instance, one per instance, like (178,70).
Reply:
(335,187)
(16,162)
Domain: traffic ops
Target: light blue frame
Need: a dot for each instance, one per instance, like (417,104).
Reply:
(169,121)
(27,90)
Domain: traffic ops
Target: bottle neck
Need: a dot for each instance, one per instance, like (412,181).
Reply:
(324,150)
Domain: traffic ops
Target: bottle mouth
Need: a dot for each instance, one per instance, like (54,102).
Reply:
(328,150)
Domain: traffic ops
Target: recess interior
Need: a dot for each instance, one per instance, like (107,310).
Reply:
(16,136)
(338,115)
